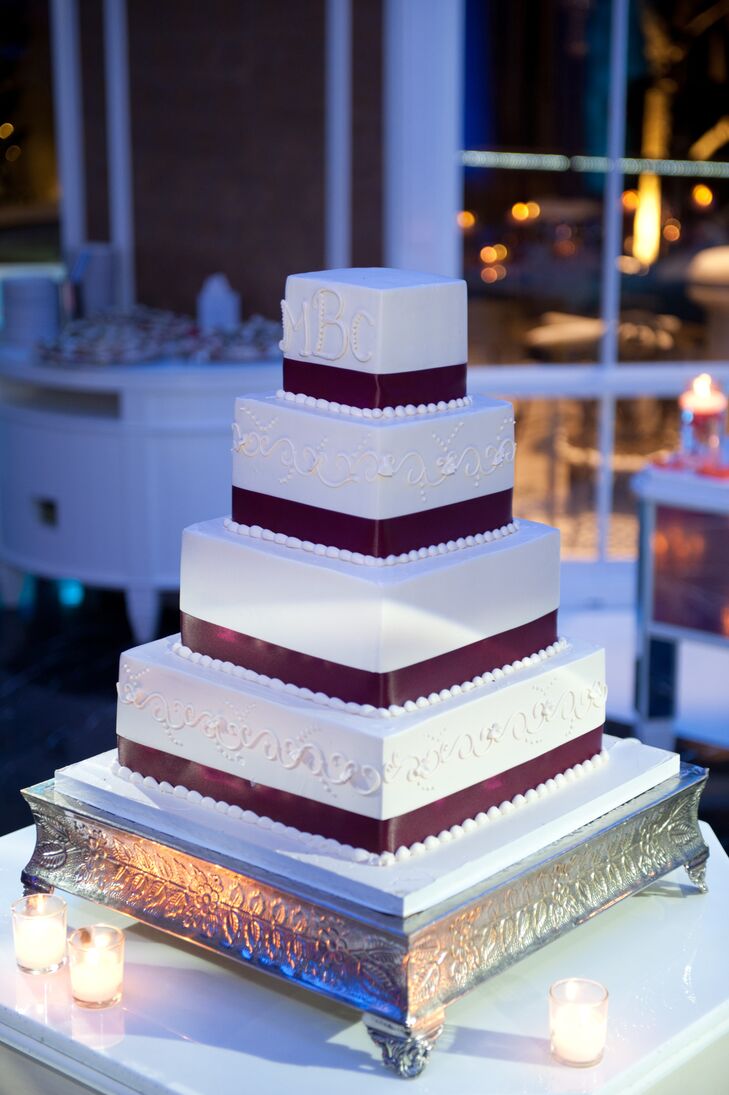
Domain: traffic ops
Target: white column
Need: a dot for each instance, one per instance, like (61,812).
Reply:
(119,147)
(69,123)
(611,249)
(423,98)
(338,135)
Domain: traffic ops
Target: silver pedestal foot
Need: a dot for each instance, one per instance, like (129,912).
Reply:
(697,873)
(405,1050)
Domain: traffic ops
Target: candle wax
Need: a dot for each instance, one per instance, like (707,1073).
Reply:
(96,975)
(578,1033)
(40,942)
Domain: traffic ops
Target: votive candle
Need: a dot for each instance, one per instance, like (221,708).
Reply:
(39,932)
(96,965)
(578,1021)
(703,418)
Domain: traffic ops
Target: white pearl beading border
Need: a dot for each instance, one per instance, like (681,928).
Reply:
(401,411)
(361,855)
(256,532)
(368,710)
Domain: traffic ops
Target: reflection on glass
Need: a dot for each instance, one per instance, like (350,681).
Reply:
(645,429)
(537,91)
(555,469)
(45,998)
(28,178)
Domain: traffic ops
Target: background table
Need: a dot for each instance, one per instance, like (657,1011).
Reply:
(191,1024)
(683,581)
(105,465)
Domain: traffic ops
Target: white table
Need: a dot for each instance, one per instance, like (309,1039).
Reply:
(103,466)
(191,1024)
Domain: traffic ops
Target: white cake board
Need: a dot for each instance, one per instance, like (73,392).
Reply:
(403,888)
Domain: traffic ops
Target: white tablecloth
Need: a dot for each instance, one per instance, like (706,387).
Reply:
(196,1025)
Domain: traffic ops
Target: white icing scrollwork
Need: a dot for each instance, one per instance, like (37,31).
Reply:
(237,737)
(367,464)
(525,726)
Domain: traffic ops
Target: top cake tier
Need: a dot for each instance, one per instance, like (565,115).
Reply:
(375,337)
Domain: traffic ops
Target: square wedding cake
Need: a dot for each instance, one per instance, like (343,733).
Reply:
(369,649)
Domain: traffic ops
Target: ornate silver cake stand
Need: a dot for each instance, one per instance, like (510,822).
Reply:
(401,972)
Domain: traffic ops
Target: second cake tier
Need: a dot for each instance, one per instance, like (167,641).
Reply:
(380,485)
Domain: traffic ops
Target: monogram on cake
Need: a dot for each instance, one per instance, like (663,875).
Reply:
(369,650)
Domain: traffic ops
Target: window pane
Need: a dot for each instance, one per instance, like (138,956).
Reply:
(645,429)
(555,469)
(675,281)
(28,183)
(678,117)
(536,88)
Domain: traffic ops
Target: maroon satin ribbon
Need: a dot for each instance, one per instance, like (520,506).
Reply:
(361,685)
(374,389)
(344,826)
(389,536)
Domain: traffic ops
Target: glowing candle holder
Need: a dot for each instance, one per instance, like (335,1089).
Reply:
(578,1021)
(39,932)
(96,965)
(703,420)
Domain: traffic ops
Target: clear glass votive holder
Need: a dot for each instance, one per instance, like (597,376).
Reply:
(96,965)
(578,1011)
(39,932)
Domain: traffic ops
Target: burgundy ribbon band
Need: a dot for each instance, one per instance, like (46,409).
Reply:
(342,825)
(374,389)
(361,685)
(388,536)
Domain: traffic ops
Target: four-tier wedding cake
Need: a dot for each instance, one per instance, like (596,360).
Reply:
(369,647)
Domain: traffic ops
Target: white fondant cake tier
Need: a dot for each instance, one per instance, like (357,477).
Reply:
(376,468)
(377,768)
(410,885)
(371,618)
(375,320)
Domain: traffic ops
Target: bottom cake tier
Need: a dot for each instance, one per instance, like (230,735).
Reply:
(371,834)
(378,781)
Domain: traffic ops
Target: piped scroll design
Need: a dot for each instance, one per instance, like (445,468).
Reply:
(525,726)
(368,465)
(236,737)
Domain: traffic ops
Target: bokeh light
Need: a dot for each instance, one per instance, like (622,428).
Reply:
(702,195)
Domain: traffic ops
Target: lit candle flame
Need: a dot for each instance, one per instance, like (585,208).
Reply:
(702,385)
